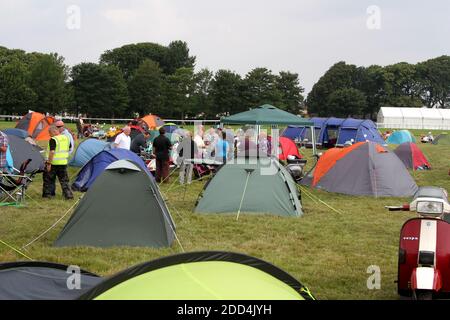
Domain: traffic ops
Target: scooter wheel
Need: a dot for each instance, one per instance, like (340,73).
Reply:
(423,295)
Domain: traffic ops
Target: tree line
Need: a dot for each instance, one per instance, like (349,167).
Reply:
(138,79)
(151,78)
(347,90)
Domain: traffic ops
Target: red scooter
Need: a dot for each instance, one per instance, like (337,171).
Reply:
(424,252)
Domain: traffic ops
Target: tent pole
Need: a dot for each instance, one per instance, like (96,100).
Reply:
(243,195)
(313,138)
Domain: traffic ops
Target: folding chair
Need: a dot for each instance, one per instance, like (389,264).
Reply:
(13,186)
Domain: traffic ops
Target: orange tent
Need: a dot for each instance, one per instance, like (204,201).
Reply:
(365,168)
(153,122)
(37,125)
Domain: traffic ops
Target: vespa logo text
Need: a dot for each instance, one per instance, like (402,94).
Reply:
(411,238)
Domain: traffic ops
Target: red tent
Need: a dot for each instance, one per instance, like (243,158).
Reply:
(288,148)
(412,156)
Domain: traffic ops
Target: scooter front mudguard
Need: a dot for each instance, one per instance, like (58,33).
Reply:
(426,278)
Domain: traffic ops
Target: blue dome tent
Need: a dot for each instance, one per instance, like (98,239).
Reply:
(87,175)
(303,132)
(88,149)
(358,130)
(336,131)
(401,136)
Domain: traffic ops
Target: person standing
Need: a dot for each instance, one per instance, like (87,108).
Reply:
(198,139)
(80,127)
(63,130)
(139,142)
(57,156)
(187,151)
(3,149)
(123,140)
(221,148)
(161,149)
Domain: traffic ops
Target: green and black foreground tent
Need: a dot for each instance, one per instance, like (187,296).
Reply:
(188,276)
(122,208)
(251,185)
(201,276)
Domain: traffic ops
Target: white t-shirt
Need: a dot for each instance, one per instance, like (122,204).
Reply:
(200,145)
(199,141)
(123,141)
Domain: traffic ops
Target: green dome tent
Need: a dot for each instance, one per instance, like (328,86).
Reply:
(201,276)
(123,207)
(251,185)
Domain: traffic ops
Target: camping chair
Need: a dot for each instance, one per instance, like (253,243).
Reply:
(200,170)
(13,186)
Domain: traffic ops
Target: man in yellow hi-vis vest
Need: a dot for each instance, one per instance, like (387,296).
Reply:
(56,165)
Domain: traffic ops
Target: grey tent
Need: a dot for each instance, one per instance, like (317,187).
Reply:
(41,281)
(251,185)
(122,208)
(21,151)
(442,139)
(365,168)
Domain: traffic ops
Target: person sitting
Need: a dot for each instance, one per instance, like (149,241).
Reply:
(3,150)
(386,134)
(427,138)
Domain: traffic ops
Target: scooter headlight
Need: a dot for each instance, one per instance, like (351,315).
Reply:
(430,207)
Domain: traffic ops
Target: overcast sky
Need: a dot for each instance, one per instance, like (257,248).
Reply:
(302,36)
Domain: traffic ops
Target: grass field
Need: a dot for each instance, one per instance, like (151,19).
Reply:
(327,251)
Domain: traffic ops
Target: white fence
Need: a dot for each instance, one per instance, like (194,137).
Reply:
(185,121)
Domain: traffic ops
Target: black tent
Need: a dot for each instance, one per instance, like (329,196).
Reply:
(42,281)
(122,208)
